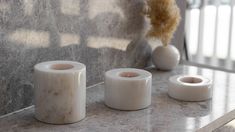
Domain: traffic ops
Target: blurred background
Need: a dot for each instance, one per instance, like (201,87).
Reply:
(210,34)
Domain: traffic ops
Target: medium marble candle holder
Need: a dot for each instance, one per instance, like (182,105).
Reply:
(128,88)
(60,91)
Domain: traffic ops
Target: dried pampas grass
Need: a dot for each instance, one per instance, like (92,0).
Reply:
(164,17)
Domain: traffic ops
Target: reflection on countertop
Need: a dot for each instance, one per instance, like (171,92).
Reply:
(164,114)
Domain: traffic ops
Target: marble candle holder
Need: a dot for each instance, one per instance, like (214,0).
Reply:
(190,87)
(60,91)
(128,88)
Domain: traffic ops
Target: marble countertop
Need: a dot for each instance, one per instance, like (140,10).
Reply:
(164,114)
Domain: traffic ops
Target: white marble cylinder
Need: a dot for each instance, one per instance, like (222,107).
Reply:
(190,87)
(128,88)
(60,91)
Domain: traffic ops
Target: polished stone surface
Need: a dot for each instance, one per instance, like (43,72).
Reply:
(164,114)
(229,127)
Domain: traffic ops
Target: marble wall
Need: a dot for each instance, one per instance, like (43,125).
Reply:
(102,34)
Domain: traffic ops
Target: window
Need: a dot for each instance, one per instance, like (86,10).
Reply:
(210,33)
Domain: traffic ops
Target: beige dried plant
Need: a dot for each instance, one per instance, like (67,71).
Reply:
(164,17)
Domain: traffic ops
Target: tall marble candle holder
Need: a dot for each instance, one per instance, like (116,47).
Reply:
(60,92)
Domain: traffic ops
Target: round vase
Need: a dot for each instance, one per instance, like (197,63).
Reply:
(165,57)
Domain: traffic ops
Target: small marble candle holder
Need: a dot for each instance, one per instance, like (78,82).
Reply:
(190,87)
(60,91)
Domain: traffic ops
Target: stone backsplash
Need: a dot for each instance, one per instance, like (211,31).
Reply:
(102,34)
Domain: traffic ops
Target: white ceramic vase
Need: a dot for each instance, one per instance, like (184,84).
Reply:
(166,57)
